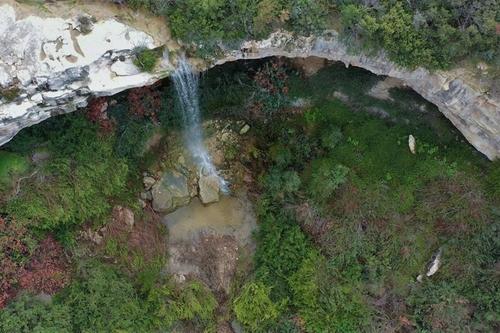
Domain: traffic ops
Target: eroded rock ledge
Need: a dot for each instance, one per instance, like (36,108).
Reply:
(57,64)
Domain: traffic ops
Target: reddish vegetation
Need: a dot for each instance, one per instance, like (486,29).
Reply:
(44,270)
(97,114)
(14,250)
(273,78)
(48,269)
(145,102)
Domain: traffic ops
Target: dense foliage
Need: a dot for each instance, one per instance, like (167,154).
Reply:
(430,33)
(103,300)
(349,217)
(76,183)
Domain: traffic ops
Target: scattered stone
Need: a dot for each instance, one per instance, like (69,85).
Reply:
(341,96)
(301,103)
(148,182)
(39,157)
(225,136)
(170,192)
(146,196)
(379,112)
(412,144)
(93,236)
(433,267)
(482,66)
(236,326)
(142,203)
(244,129)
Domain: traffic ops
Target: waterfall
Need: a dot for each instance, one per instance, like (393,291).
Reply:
(186,86)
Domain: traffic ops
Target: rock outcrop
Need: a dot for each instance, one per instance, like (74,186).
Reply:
(54,65)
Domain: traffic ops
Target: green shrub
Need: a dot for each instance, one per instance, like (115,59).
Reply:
(308,16)
(31,314)
(253,307)
(281,184)
(191,302)
(404,44)
(323,302)
(102,300)
(326,177)
(281,247)
(146,59)
(330,138)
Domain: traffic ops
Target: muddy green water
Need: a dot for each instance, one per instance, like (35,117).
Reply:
(230,216)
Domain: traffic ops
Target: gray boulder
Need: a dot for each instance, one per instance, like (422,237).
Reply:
(170,192)
(209,188)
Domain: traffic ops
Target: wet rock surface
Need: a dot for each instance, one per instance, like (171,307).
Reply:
(170,192)
(208,188)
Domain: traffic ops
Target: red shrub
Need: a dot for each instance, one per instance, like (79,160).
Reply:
(48,269)
(96,113)
(14,251)
(44,270)
(144,102)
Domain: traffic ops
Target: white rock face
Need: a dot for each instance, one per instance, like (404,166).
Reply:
(57,68)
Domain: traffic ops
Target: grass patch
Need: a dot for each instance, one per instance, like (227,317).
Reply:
(11,164)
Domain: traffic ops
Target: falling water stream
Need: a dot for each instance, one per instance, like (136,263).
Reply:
(186,86)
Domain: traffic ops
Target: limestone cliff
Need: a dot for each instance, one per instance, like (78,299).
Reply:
(54,65)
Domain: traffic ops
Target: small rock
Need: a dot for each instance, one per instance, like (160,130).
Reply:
(209,188)
(482,66)
(85,24)
(434,266)
(225,137)
(94,236)
(142,203)
(237,328)
(124,215)
(412,144)
(244,129)
(40,157)
(148,182)
(146,196)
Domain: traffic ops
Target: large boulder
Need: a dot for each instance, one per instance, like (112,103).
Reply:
(170,192)
(209,188)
